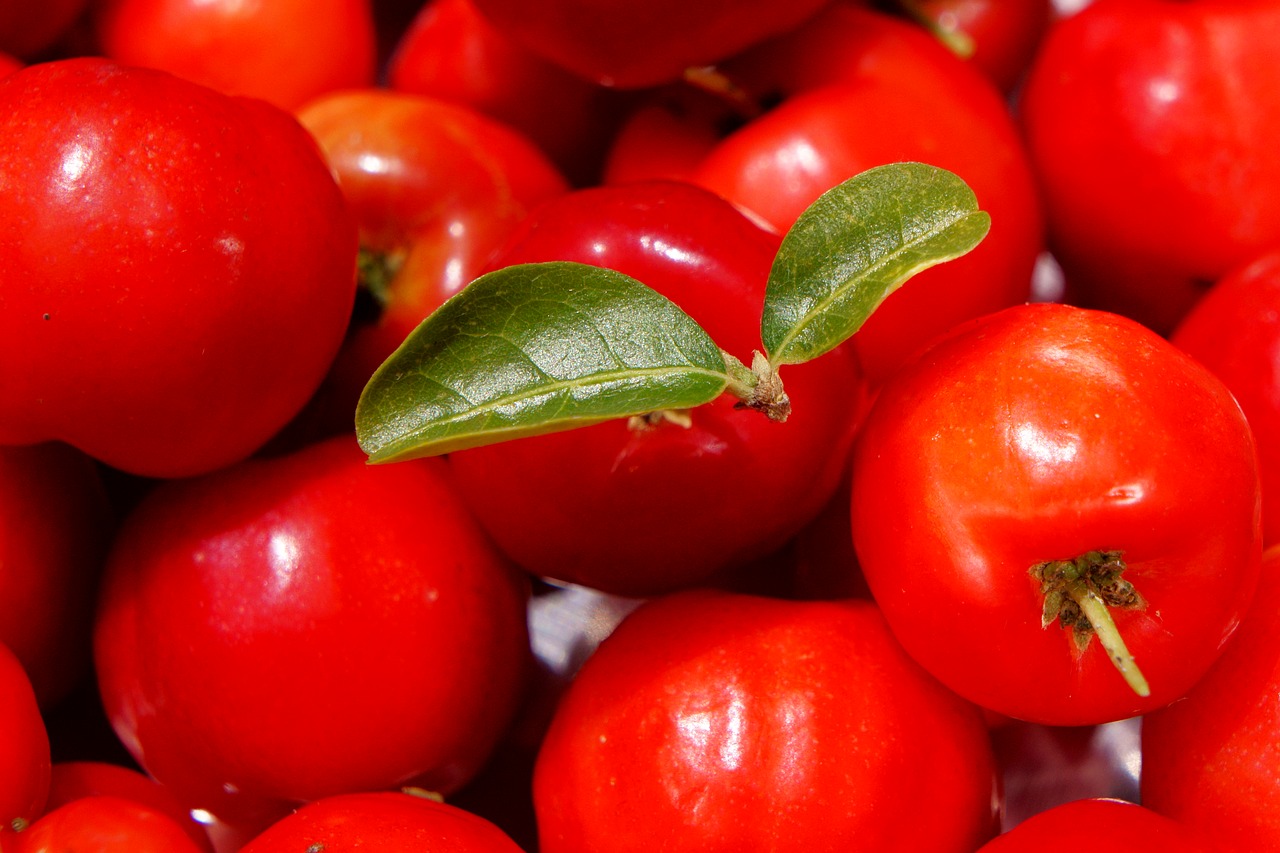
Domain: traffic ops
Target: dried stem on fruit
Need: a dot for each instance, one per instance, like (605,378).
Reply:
(1079,593)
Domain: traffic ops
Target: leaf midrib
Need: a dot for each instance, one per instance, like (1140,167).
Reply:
(836,293)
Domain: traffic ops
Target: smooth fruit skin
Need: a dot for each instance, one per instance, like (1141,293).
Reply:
(1152,126)
(1002,35)
(24,750)
(308,625)
(56,521)
(1234,330)
(1101,825)
(1044,432)
(631,46)
(284,52)
(74,780)
(719,722)
(1209,760)
(449,51)
(105,824)
(387,820)
(177,267)
(640,509)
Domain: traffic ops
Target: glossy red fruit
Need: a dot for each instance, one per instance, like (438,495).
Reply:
(998,37)
(24,750)
(1234,330)
(381,821)
(74,780)
(642,506)
(1208,760)
(1041,443)
(55,526)
(723,722)
(631,45)
(1152,125)
(104,824)
(435,188)
(304,626)
(850,90)
(1102,825)
(177,267)
(450,51)
(285,52)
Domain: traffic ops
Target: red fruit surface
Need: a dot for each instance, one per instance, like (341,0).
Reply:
(1151,125)
(381,821)
(286,52)
(724,722)
(1044,433)
(308,625)
(177,268)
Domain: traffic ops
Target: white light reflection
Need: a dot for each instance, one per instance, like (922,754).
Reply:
(1049,450)
(373,164)
(717,732)
(75,163)
(1164,92)
(667,250)
(285,558)
(799,158)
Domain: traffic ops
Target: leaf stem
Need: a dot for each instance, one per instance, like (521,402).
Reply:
(757,387)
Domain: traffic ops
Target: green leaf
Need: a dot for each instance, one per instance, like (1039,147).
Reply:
(531,349)
(857,244)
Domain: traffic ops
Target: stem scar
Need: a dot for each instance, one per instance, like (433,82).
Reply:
(1078,594)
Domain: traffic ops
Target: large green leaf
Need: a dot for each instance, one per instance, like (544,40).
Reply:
(535,348)
(857,244)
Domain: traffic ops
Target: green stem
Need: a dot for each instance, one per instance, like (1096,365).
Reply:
(1079,594)
(957,40)
(757,387)
(1096,611)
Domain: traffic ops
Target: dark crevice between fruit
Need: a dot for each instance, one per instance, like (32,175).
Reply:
(375,270)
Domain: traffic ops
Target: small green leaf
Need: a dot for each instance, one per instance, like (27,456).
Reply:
(531,349)
(857,244)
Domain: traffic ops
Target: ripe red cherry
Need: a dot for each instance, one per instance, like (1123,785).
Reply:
(649,505)
(284,52)
(1234,330)
(1044,460)
(308,625)
(388,820)
(1101,825)
(102,822)
(159,309)
(450,51)
(631,45)
(722,722)
(1156,182)
(1208,760)
(74,780)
